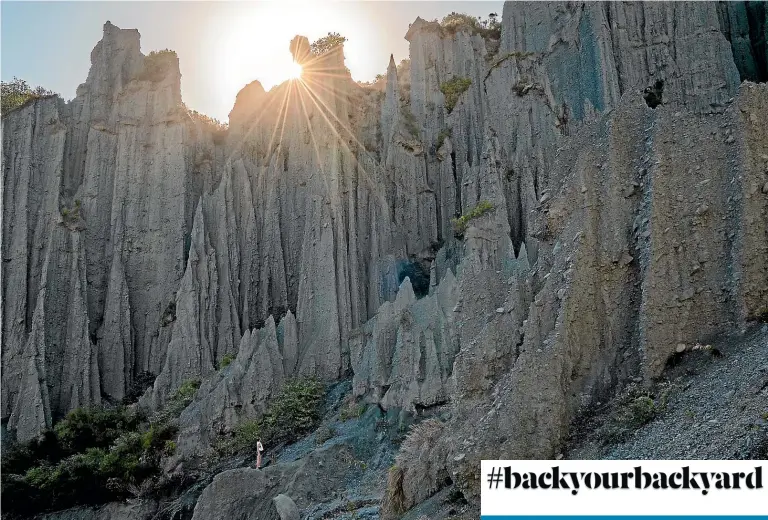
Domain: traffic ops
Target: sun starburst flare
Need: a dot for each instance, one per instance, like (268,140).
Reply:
(316,84)
(295,70)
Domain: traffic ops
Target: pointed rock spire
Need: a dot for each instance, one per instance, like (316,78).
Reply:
(390,109)
(190,352)
(287,337)
(115,342)
(32,412)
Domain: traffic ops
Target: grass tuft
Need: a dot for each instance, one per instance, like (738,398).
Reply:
(452,89)
(460,224)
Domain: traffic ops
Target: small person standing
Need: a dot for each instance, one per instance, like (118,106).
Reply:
(259,449)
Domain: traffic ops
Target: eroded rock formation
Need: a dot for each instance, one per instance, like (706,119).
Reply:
(596,195)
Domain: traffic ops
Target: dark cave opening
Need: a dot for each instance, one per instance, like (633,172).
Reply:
(457,191)
(653,94)
(418,272)
(187,246)
(140,383)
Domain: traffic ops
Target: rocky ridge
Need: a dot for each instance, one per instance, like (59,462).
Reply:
(318,236)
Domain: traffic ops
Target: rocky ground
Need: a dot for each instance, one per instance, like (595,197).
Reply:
(717,408)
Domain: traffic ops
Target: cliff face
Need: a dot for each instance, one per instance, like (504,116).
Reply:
(611,168)
(93,213)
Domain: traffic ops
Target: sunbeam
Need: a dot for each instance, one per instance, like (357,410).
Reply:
(294,70)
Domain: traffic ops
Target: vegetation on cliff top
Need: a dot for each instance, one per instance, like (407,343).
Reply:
(17,93)
(327,43)
(156,64)
(487,28)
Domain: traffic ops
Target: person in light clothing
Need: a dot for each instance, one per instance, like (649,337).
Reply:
(259,449)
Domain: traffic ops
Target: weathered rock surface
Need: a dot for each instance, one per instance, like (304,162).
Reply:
(403,357)
(629,274)
(253,493)
(595,197)
(93,191)
(286,508)
(240,390)
(140,510)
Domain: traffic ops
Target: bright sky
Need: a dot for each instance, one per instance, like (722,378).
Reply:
(222,46)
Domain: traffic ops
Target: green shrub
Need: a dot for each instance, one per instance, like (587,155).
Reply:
(452,89)
(162,52)
(169,448)
(491,27)
(226,361)
(410,122)
(632,410)
(93,476)
(187,390)
(352,410)
(327,43)
(445,132)
(455,22)
(93,455)
(128,459)
(46,448)
(96,427)
(642,410)
(155,436)
(216,127)
(243,439)
(499,60)
(247,434)
(78,479)
(17,93)
(295,411)
(178,401)
(71,215)
(156,64)
(460,224)
(43,476)
(324,433)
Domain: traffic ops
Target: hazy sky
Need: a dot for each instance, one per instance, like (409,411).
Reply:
(221,45)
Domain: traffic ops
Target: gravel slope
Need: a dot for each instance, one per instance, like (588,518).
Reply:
(717,408)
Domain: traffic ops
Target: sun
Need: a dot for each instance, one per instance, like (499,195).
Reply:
(294,71)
